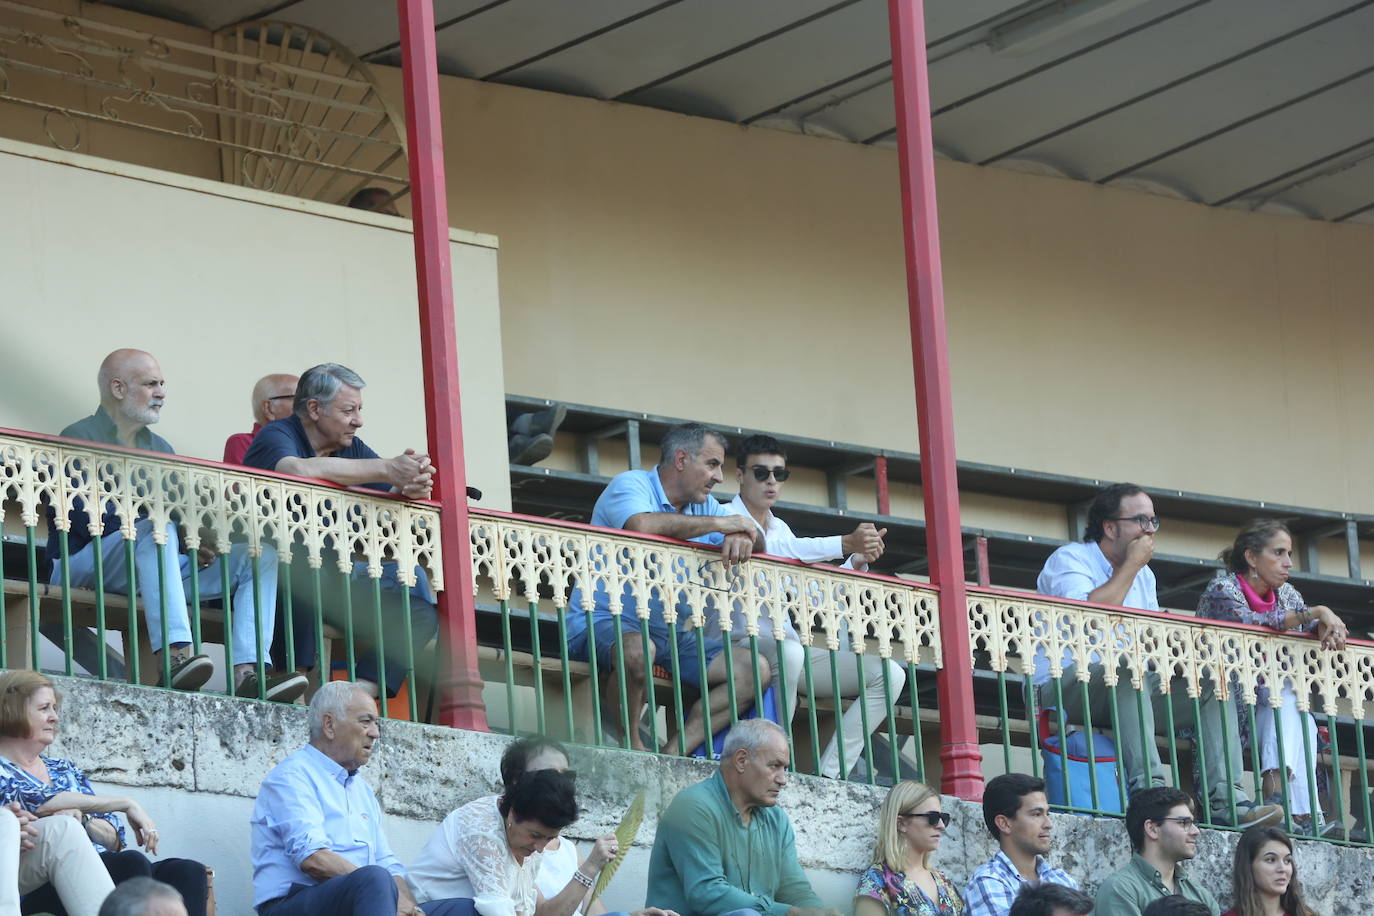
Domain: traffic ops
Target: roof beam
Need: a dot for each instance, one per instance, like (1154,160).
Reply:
(1173,84)
(767,36)
(439,27)
(1234,125)
(595,33)
(1338,154)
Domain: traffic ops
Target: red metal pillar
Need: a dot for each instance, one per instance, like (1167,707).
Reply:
(959,752)
(461,684)
(880,479)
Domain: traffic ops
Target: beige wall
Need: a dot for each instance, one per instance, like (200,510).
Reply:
(754,278)
(681,266)
(224,285)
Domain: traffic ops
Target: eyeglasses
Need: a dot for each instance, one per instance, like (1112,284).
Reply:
(282,397)
(933,818)
(1187,823)
(761,473)
(1147,522)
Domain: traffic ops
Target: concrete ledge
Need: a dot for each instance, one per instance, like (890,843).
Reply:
(195,762)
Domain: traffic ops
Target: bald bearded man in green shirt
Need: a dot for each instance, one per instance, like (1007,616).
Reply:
(723,847)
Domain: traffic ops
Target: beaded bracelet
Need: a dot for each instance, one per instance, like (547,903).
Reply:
(582,879)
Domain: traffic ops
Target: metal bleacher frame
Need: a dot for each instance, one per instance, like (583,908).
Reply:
(1002,558)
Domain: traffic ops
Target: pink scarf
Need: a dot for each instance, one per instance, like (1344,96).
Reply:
(1257,604)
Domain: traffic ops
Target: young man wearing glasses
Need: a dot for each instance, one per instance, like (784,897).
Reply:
(1111,566)
(761,471)
(1163,835)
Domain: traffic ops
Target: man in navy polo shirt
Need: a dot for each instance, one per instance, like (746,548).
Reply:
(674,500)
(131,397)
(320,440)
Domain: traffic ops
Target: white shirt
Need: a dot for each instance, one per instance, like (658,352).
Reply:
(779,541)
(468,856)
(556,867)
(1074,571)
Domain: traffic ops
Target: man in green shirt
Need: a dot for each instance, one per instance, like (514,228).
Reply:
(724,847)
(1163,834)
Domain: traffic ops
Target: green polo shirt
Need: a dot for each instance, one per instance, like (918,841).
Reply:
(707,861)
(1127,891)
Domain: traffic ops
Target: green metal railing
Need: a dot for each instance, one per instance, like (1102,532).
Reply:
(548,584)
(1081,669)
(330,565)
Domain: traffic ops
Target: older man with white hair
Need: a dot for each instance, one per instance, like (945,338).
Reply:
(317,839)
(320,439)
(144,897)
(724,847)
(132,392)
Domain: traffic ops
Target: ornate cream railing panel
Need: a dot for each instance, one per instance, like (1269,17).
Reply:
(217,505)
(1193,649)
(899,619)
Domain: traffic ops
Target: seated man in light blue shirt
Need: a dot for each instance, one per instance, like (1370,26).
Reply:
(317,838)
(673,500)
(1111,566)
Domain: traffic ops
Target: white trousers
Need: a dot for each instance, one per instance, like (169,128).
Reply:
(62,856)
(1294,723)
(851,722)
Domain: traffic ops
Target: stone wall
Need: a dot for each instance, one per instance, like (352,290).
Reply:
(195,763)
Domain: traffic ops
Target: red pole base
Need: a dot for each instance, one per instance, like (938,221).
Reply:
(962,765)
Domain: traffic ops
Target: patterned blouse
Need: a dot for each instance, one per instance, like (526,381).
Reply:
(1223,600)
(901,897)
(18,784)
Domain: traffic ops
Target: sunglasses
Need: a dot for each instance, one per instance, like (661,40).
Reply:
(761,473)
(933,818)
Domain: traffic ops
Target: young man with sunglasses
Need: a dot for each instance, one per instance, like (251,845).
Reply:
(1017,814)
(1164,834)
(761,471)
(1111,566)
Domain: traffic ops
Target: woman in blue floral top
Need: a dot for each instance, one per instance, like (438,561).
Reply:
(1254,589)
(53,787)
(901,882)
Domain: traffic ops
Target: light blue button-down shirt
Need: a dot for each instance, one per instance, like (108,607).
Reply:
(1073,571)
(994,886)
(629,494)
(308,803)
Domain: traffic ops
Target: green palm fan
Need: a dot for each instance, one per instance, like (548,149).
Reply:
(625,837)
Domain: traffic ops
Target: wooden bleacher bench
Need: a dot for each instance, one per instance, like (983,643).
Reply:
(1014,557)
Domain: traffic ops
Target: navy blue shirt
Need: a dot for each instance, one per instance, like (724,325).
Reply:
(98,427)
(286,438)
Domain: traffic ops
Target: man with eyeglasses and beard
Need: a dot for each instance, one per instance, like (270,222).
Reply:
(1163,835)
(1111,566)
(761,471)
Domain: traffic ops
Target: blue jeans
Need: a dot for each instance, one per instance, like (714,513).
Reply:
(176,568)
(368,891)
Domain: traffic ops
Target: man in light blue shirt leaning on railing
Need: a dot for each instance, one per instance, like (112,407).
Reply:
(673,500)
(1111,566)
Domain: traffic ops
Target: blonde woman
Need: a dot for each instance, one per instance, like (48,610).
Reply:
(901,881)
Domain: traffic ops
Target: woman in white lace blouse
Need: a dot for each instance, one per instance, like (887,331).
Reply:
(488,850)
